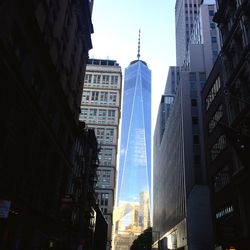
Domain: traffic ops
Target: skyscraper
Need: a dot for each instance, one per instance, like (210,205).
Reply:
(181,193)
(100,110)
(134,179)
(185,14)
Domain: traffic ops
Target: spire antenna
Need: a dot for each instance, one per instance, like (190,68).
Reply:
(139,41)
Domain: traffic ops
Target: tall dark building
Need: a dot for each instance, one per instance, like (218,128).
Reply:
(227,127)
(79,207)
(44,47)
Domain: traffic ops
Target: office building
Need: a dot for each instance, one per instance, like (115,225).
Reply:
(180,196)
(44,46)
(206,34)
(226,116)
(100,109)
(132,213)
(185,14)
(181,193)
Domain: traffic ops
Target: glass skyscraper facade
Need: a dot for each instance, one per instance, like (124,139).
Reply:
(132,214)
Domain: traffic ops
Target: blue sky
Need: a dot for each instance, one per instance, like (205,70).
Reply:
(116,25)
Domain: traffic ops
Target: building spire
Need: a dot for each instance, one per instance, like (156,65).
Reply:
(139,41)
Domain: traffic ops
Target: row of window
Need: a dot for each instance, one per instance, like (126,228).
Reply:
(105,135)
(190,5)
(104,177)
(98,112)
(193,76)
(105,156)
(195,11)
(98,116)
(101,79)
(102,96)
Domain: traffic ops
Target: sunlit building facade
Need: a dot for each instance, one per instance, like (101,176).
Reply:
(132,214)
(100,109)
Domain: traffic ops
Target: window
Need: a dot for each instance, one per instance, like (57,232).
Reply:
(109,135)
(106,176)
(104,199)
(88,78)
(98,79)
(196,139)
(111,113)
(212,25)
(194,120)
(107,156)
(197,159)
(98,175)
(194,102)
(105,79)
(192,76)
(94,96)
(211,13)
(202,84)
(100,137)
(202,76)
(104,96)
(100,131)
(92,112)
(102,113)
(193,86)
(94,78)
(85,111)
(214,39)
(104,210)
(114,80)
(112,97)
(85,96)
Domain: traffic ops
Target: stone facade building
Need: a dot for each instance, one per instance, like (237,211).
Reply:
(100,109)
(44,48)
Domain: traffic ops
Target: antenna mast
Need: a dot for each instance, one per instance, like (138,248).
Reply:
(139,40)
